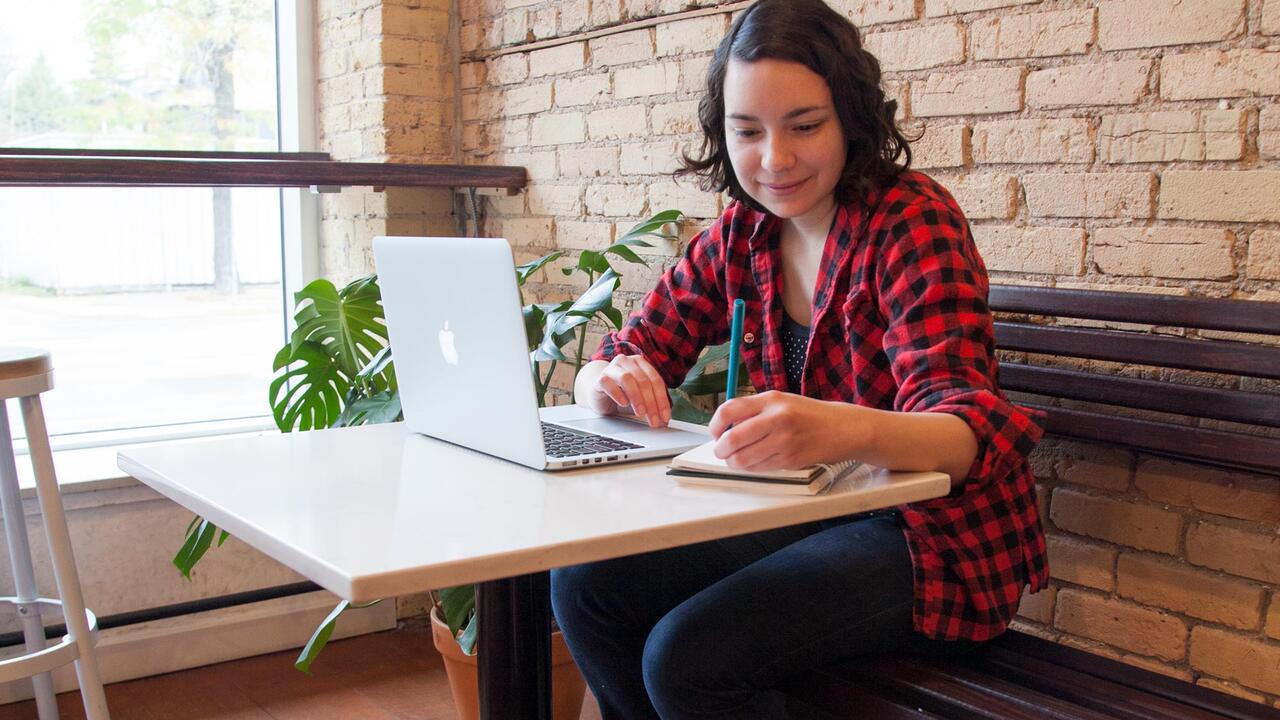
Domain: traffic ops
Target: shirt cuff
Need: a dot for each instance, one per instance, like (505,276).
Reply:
(612,346)
(1006,433)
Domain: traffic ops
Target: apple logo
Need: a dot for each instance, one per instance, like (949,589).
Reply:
(447,348)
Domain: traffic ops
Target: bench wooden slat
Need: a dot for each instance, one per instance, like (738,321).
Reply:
(1012,673)
(1217,403)
(859,689)
(1227,449)
(942,689)
(1019,648)
(829,692)
(1218,356)
(959,672)
(1171,310)
(1117,701)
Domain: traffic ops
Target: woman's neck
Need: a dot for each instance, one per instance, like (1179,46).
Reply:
(813,227)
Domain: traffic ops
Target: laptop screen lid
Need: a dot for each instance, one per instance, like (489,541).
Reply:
(457,335)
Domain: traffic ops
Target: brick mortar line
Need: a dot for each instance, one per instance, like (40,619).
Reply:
(1257,634)
(480,56)
(1183,664)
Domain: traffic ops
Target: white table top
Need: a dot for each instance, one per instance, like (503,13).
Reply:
(378,511)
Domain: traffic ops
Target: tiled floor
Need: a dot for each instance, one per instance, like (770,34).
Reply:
(395,675)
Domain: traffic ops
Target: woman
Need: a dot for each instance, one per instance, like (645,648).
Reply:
(868,331)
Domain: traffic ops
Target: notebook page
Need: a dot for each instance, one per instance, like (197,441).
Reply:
(703,458)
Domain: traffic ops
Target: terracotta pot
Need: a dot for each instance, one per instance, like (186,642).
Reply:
(567,686)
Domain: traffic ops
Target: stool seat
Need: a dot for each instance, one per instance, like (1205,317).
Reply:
(24,371)
(22,362)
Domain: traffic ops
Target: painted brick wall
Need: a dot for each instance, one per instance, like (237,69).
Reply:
(1130,144)
(387,73)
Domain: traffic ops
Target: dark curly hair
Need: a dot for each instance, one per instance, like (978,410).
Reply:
(812,34)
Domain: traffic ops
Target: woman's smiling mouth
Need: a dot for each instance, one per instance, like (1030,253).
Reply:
(783,189)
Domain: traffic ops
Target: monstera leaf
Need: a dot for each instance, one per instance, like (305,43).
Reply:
(306,393)
(348,324)
(373,397)
(339,333)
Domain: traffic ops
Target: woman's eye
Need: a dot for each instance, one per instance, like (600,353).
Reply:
(744,133)
(809,127)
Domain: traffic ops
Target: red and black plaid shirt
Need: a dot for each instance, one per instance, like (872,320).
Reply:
(900,322)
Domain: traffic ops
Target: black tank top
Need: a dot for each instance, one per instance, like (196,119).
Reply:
(795,340)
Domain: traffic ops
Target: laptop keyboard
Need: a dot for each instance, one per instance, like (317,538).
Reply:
(563,442)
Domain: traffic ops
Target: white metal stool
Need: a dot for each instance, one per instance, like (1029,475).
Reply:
(24,374)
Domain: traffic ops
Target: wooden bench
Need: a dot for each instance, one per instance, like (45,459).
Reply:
(1014,677)
(1222,420)
(1165,375)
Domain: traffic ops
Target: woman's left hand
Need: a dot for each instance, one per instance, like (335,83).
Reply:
(776,430)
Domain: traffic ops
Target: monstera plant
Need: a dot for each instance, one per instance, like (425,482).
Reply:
(337,370)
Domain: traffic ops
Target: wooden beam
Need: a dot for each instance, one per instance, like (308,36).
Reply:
(180,154)
(139,172)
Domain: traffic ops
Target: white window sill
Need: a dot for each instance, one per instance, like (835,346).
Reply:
(88,469)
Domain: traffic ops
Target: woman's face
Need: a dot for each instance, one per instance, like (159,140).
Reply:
(783,136)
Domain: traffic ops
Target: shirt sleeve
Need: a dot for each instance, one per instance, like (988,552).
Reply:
(684,313)
(939,339)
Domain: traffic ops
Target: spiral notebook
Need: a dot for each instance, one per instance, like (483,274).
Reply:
(700,466)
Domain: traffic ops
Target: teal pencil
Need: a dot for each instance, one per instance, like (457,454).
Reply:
(735,349)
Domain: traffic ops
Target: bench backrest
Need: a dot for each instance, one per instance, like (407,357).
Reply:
(1225,419)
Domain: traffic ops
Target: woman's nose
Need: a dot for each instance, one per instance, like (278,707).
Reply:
(777,154)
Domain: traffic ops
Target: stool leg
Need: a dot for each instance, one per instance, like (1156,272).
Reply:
(64,563)
(24,576)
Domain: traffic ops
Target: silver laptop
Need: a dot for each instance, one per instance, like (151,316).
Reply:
(457,335)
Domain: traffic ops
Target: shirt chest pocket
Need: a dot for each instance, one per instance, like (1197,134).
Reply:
(870,381)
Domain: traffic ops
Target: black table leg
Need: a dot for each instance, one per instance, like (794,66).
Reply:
(515,648)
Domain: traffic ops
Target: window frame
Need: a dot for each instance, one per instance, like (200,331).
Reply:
(90,455)
(297,132)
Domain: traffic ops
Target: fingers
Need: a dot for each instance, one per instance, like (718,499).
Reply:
(741,438)
(613,390)
(658,402)
(749,447)
(631,381)
(753,432)
(637,387)
(747,460)
(735,411)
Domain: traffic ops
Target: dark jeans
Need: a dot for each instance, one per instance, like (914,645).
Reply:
(706,631)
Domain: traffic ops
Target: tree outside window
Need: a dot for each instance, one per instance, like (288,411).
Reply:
(154,301)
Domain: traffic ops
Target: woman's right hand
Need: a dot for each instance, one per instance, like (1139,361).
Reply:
(626,383)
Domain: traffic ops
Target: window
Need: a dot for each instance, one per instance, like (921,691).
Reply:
(162,307)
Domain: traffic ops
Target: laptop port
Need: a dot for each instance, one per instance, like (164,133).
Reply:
(599,459)
(611,458)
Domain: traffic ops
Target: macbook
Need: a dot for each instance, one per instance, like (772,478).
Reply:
(462,363)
